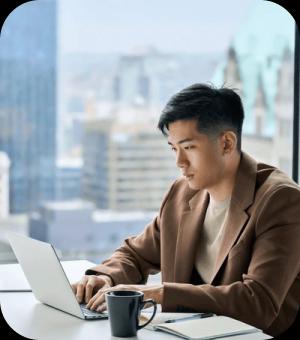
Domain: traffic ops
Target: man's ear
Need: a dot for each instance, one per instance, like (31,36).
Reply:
(228,142)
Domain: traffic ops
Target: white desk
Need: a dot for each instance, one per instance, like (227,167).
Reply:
(34,320)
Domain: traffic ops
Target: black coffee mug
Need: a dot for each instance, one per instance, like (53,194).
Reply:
(124,308)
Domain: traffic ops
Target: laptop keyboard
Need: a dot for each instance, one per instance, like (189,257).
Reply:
(91,313)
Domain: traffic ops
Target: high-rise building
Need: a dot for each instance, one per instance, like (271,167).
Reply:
(96,162)
(127,166)
(28,48)
(68,178)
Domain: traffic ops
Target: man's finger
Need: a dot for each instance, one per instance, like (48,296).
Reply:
(89,289)
(97,299)
(81,289)
(102,308)
(91,301)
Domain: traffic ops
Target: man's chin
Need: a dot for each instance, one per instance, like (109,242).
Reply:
(194,186)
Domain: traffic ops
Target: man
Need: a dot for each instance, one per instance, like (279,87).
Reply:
(227,237)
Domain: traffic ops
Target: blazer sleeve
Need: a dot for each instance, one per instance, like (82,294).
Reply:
(273,269)
(138,257)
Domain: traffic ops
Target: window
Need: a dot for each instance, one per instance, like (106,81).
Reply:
(81,91)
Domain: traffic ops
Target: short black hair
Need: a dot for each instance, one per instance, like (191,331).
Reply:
(215,110)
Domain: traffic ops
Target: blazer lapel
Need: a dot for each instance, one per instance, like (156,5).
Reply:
(242,198)
(187,239)
(233,226)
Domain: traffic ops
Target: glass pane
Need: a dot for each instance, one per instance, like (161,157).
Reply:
(82,164)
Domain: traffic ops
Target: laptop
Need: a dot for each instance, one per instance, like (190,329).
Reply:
(46,276)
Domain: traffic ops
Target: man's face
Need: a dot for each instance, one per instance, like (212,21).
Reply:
(199,157)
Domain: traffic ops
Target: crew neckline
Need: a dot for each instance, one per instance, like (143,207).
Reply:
(218,205)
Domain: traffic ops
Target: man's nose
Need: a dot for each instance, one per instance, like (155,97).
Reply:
(181,159)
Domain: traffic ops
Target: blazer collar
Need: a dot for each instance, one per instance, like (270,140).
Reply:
(242,197)
(244,188)
(187,239)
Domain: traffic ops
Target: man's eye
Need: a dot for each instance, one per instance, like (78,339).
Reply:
(173,149)
(188,147)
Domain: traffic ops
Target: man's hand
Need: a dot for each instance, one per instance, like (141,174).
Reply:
(89,285)
(97,302)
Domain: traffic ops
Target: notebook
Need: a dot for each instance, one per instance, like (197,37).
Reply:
(207,328)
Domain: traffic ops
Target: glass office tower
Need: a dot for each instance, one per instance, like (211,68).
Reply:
(28,54)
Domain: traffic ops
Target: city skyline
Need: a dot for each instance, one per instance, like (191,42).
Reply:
(114,169)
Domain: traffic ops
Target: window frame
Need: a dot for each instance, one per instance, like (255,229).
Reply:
(295,158)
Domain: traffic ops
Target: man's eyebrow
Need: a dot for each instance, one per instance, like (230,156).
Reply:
(183,141)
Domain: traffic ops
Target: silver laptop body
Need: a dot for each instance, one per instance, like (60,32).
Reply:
(46,276)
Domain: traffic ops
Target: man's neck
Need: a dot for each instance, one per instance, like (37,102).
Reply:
(223,190)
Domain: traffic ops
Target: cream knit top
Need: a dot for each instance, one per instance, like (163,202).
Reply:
(210,238)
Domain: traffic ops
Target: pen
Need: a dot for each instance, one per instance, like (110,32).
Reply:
(197,316)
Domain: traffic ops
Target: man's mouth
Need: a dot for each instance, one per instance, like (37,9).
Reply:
(188,176)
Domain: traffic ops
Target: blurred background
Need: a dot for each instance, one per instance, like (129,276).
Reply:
(82,84)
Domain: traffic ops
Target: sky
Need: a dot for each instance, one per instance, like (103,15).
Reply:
(195,26)
(100,26)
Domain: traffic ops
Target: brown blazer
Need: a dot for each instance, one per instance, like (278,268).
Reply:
(256,275)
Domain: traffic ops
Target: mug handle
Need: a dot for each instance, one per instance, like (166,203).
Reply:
(154,312)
